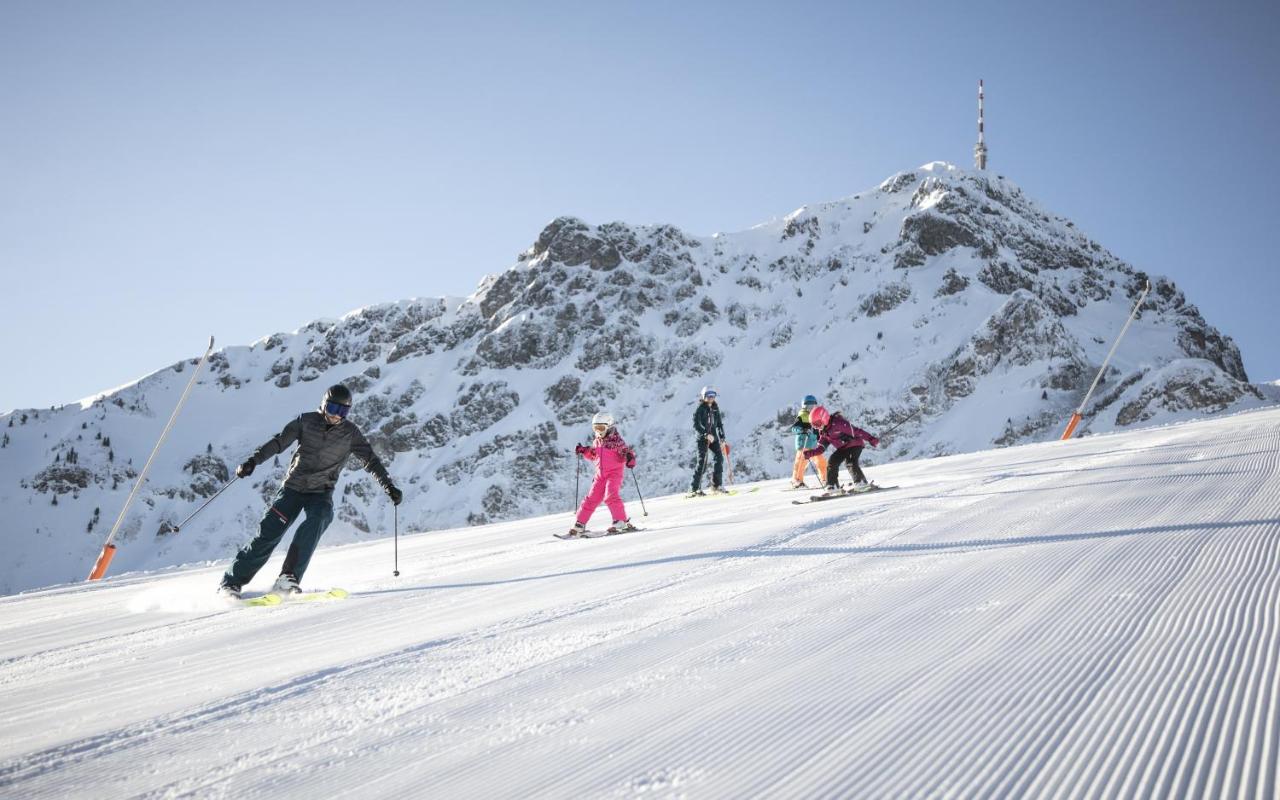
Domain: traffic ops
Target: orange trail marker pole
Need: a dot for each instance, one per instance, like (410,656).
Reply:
(104,561)
(109,549)
(1079,412)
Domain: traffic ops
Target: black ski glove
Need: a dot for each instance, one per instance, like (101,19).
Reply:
(245,469)
(395,494)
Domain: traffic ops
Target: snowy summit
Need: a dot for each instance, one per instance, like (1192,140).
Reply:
(944,298)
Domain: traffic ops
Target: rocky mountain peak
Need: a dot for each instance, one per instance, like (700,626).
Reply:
(942,293)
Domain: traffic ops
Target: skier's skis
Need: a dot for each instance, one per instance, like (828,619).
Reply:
(275,599)
(597,535)
(729,493)
(818,498)
(593,534)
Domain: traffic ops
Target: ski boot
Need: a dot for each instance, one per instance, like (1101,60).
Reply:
(578,530)
(832,491)
(229,591)
(285,585)
(622,526)
(719,490)
(858,487)
(798,485)
(696,493)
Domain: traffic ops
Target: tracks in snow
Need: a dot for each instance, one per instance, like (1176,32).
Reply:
(1097,624)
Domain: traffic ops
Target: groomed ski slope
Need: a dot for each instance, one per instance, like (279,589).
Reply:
(1095,618)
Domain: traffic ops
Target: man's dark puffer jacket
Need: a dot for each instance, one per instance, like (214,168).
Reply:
(322,452)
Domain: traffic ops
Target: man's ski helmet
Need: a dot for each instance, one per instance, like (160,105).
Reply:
(337,401)
(809,401)
(707,393)
(603,418)
(338,394)
(819,417)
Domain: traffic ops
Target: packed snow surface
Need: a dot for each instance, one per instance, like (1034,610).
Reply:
(1091,618)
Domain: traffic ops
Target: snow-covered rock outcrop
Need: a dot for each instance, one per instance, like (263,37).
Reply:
(943,292)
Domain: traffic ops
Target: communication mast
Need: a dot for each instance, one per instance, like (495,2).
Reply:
(980,149)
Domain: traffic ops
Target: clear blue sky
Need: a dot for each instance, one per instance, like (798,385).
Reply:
(171,170)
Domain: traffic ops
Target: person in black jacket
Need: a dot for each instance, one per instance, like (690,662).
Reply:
(710,429)
(325,439)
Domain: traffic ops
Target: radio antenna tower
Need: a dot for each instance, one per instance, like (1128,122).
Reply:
(980,149)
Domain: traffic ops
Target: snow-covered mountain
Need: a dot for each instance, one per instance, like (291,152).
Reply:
(940,291)
(1095,618)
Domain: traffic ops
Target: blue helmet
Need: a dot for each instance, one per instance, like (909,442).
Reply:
(809,401)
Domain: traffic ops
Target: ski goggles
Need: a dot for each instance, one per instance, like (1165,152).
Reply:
(600,426)
(337,409)
(709,396)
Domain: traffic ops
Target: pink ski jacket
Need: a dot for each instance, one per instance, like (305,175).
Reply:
(610,453)
(841,434)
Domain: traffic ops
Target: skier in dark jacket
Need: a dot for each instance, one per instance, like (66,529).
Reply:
(710,430)
(325,439)
(848,441)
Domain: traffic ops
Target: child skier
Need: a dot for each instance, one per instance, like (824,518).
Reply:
(806,439)
(709,427)
(611,455)
(848,441)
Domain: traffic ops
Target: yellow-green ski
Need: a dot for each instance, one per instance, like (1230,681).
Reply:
(273,599)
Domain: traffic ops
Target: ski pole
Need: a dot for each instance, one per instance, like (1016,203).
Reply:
(900,424)
(108,548)
(822,481)
(637,483)
(577,479)
(167,528)
(395,517)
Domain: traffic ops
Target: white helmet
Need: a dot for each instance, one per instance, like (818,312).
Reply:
(603,418)
(706,392)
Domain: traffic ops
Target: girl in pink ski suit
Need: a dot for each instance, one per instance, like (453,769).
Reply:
(612,456)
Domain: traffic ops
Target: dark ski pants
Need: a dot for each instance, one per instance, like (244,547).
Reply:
(849,456)
(318,510)
(700,463)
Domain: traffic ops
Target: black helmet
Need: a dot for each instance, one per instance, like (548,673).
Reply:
(337,400)
(338,394)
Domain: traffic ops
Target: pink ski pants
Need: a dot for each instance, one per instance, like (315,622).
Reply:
(606,486)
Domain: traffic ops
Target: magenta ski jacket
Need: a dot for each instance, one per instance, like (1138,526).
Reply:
(610,453)
(842,434)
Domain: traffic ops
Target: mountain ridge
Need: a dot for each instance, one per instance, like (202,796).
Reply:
(940,291)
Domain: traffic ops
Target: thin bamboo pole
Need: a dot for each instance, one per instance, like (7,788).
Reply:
(1079,412)
(108,548)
